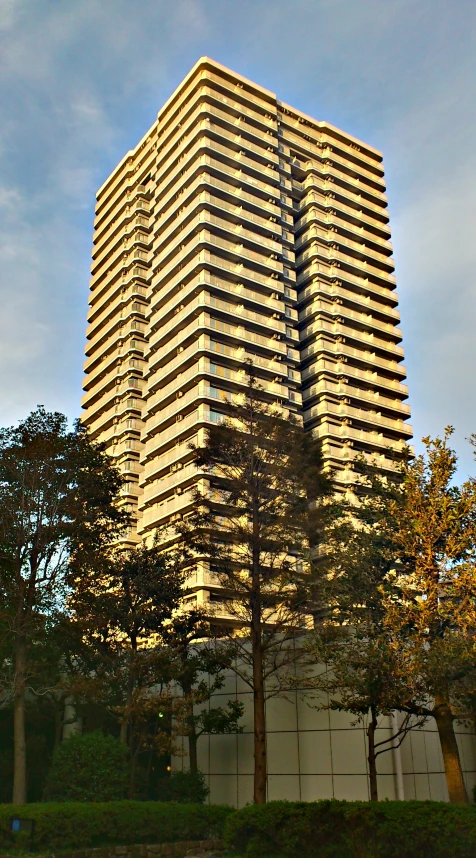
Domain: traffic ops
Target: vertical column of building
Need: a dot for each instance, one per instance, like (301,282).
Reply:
(222,281)
(115,363)
(352,378)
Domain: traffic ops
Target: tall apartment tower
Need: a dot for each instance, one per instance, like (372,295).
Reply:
(240,228)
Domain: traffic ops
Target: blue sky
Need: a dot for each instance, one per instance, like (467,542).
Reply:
(82,80)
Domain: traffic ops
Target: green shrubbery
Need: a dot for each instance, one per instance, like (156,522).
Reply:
(72,825)
(339,829)
(185,787)
(93,767)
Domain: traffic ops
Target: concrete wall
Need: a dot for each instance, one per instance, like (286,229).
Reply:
(319,754)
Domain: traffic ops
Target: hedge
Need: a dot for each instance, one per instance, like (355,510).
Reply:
(73,825)
(340,829)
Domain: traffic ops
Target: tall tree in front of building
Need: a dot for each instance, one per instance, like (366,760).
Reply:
(404,581)
(432,617)
(255,528)
(57,508)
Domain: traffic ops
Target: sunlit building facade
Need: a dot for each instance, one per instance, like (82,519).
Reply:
(239,228)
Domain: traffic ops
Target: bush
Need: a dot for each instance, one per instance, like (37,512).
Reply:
(92,767)
(78,826)
(393,829)
(184,787)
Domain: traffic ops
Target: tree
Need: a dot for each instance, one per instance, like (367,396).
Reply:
(404,577)
(432,615)
(361,672)
(121,611)
(57,509)
(254,529)
(196,665)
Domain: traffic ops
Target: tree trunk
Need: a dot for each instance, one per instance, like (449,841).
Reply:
(259,793)
(191,731)
(127,708)
(449,748)
(192,750)
(371,756)
(19,739)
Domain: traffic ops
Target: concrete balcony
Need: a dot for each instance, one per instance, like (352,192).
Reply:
(338,293)
(375,440)
(327,269)
(335,208)
(322,345)
(332,236)
(350,391)
(360,415)
(321,325)
(335,310)
(345,371)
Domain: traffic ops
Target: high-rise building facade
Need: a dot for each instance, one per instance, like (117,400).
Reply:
(240,228)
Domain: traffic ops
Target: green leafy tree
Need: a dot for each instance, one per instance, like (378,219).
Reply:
(403,577)
(120,613)
(196,665)
(254,529)
(92,767)
(57,511)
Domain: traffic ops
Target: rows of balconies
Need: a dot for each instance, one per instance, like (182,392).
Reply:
(327,268)
(289,136)
(328,150)
(267,154)
(342,370)
(334,309)
(361,415)
(327,168)
(335,210)
(327,219)
(333,255)
(239,96)
(205,237)
(119,293)
(203,216)
(110,407)
(330,233)
(118,277)
(241,183)
(204,300)
(161,355)
(338,293)
(127,247)
(319,184)
(203,149)
(322,325)
(322,344)
(172,233)
(349,391)
(372,439)
(122,208)
(330,154)
(115,312)
(119,229)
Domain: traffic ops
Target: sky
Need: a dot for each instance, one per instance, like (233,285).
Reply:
(82,80)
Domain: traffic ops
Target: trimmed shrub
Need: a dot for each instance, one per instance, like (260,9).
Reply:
(92,767)
(184,787)
(79,826)
(340,829)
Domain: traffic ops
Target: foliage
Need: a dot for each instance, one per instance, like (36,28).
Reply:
(403,570)
(185,787)
(196,665)
(92,767)
(76,825)
(120,614)
(339,829)
(57,513)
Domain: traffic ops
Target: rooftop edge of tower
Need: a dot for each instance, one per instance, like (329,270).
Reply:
(206,62)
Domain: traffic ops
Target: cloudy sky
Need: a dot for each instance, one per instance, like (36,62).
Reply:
(82,80)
